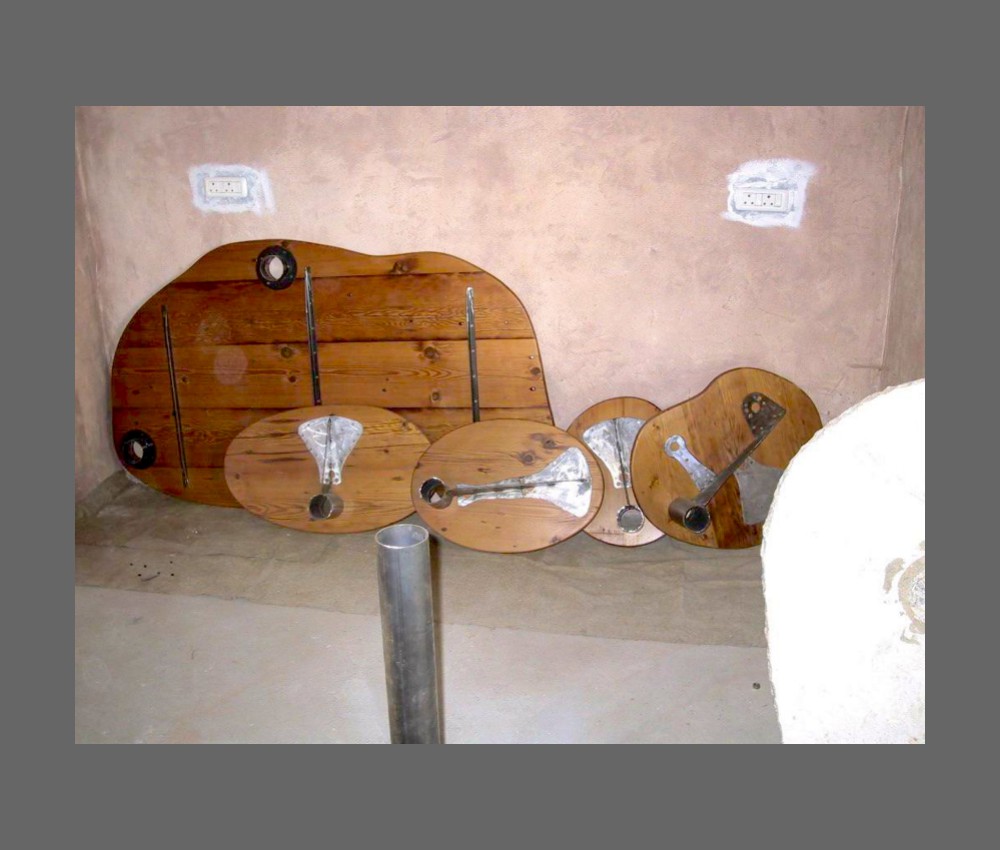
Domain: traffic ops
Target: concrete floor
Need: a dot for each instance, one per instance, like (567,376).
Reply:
(202,624)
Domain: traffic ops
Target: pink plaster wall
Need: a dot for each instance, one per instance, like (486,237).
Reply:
(606,221)
(904,334)
(95,459)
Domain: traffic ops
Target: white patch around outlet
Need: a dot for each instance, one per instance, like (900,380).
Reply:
(769,192)
(230,189)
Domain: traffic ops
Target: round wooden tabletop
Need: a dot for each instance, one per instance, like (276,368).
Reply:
(272,473)
(498,452)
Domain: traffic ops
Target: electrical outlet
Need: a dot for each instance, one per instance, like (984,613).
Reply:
(225,187)
(762,200)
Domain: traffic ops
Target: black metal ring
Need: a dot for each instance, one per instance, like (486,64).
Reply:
(283,254)
(137,450)
(435,493)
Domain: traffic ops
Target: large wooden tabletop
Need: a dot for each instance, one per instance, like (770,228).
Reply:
(391,331)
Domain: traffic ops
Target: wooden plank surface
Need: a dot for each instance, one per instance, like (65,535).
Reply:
(271,472)
(242,376)
(715,430)
(207,431)
(604,526)
(351,309)
(207,486)
(391,330)
(436,422)
(416,307)
(433,373)
(491,451)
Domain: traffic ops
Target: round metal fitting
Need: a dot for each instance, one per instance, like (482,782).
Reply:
(276,267)
(137,449)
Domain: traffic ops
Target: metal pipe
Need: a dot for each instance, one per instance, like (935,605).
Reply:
(168,344)
(311,332)
(470,323)
(437,494)
(404,590)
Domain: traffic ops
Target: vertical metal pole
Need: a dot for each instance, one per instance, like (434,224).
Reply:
(168,344)
(404,589)
(311,331)
(470,323)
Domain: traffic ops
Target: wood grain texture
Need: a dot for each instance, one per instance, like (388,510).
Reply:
(208,484)
(208,432)
(437,421)
(391,333)
(605,525)
(394,374)
(491,451)
(715,430)
(270,471)
(352,309)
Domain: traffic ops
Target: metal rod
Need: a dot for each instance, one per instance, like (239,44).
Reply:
(439,495)
(706,495)
(168,344)
(404,590)
(630,518)
(313,348)
(470,320)
(623,462)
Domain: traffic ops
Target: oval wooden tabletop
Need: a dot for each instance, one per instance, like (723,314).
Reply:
(489,452)
(225,348)
(272,473)
(715,430)
(607,526)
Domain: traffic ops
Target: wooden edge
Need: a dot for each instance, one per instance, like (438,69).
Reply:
(402,263)
(721,375)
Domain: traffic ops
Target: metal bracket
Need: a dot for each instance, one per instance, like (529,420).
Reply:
(612,441)
(757,482)
(288,267)
(565,483)
(701,475)
(330,439)
(761,413)
(757,485)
